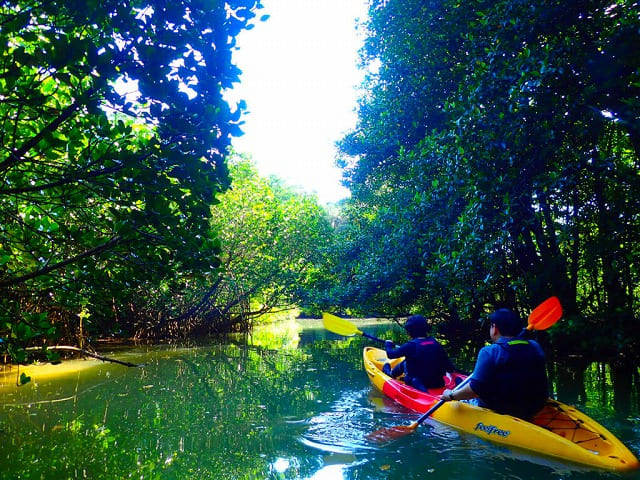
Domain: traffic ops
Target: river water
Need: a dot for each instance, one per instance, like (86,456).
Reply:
(287,403)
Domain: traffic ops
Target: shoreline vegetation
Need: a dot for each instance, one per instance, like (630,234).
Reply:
(493,163)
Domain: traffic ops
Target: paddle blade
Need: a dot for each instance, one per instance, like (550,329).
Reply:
(338,325)
(545,314)
(390,434)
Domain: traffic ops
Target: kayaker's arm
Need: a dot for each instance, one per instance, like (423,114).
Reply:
(397,352)
(478,379)
(465,393)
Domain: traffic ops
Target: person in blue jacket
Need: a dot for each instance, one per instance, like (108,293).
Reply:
(426,361)
(510,375)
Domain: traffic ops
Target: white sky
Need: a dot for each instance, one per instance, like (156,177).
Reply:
(300,80)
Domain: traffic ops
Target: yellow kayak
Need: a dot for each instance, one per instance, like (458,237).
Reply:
(558,430)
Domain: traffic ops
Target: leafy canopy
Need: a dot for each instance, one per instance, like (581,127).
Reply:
(100,191)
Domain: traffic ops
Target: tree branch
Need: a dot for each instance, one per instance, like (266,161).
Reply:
(94,251)
(16,155)
(89,354)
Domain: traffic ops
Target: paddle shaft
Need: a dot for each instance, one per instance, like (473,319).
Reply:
(429,412)
(371,337)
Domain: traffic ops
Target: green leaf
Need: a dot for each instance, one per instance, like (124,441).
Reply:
(24,378)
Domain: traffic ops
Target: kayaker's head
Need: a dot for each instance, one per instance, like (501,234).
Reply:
(417,326)
(509,324)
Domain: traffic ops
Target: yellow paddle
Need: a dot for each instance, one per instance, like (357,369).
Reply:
(541,318)
(343,327)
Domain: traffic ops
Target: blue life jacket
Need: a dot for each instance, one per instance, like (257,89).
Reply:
(426,362)
(511,377)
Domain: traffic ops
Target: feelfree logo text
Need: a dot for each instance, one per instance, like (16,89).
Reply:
(492,430)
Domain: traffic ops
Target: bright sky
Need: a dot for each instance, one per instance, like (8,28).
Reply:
(300,80)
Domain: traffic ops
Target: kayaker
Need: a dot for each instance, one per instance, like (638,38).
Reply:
(426,361)
(510,375)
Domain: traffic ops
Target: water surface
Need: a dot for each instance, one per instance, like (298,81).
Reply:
(283,404)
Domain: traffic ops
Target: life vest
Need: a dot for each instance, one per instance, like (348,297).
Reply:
(519,383)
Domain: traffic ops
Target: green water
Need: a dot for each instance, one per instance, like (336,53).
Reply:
(288,404)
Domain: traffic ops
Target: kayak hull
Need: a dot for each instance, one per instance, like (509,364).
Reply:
(558,430)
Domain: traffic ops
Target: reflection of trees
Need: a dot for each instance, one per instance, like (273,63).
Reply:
(218,412)
(611,387)
(623,378)
(607,386)
(569,381)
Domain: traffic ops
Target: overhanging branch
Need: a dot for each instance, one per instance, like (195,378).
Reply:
(44,271)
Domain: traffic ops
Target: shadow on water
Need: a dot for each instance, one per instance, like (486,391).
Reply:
(289,403)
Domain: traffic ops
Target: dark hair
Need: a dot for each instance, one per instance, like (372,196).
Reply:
(417,326)
(507,322)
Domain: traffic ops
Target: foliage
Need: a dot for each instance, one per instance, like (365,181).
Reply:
(495,162)
(274,242)
(104,194)
(272,246)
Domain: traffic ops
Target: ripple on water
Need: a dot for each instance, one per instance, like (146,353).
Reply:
(341,429)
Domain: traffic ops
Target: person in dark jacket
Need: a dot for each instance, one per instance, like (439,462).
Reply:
(510,375)
(426,361)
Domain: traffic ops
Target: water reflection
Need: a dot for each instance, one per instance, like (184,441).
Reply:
(330,472)
(341,430)
(292,404)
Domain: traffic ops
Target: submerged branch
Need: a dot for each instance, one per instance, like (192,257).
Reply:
(89,354)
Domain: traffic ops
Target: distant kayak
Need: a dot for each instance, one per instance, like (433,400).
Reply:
(558,430)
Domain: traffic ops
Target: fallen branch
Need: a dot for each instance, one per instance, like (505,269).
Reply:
(89,354)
